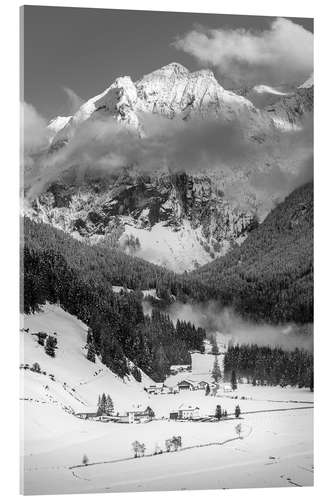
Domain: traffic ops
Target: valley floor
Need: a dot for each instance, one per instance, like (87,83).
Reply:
(275,449)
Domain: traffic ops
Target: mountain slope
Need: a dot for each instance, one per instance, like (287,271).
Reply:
(77,382)
(270,277)
(83,278)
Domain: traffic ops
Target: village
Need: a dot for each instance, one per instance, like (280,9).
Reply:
(90,427)
(185,411)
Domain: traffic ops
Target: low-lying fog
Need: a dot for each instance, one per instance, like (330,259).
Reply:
(226,323)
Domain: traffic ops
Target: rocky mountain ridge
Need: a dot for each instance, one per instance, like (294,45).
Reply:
(176,219)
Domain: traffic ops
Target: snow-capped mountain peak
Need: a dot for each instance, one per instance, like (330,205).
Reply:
(178,220)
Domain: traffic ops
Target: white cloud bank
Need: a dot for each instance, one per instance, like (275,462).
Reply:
(281,54)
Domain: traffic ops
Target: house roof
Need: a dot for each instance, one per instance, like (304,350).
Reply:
(88,410)
(185,407)
(158,385)
(192,382)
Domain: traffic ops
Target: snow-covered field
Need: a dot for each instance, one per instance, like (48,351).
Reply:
(276,448)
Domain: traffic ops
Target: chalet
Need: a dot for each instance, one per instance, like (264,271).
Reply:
(89,413)
(155,388)
(187,385)
(188,412)
(139,414)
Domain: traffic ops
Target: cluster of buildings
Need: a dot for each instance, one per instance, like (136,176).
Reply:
(138,414)
(183,385)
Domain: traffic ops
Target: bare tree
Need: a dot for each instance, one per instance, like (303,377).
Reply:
(238,429)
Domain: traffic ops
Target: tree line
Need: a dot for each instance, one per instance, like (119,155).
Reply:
(264,365)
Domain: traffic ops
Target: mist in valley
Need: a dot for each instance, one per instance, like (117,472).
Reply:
(228,326)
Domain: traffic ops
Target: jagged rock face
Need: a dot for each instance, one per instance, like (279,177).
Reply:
(131,212)
(288,112)
(177,220)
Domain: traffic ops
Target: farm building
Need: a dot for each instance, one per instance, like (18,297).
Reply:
(188,412)
(140,415)
(187,385)
(89,413)
(155,388)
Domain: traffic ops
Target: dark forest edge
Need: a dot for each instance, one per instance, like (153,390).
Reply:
(264,365)
(268,278)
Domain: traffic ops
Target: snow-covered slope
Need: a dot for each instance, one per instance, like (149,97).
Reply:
(56,124)
(77,382)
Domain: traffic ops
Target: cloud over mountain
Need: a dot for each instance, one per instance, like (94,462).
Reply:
(282,53)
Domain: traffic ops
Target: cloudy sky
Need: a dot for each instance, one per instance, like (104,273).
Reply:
(71,54)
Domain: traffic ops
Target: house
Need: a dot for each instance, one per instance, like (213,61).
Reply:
(227,387)
(139,414)
(155,388)
(188,412)
(186,385)
(89,413)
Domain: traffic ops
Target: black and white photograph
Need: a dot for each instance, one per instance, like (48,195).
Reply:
(166,278)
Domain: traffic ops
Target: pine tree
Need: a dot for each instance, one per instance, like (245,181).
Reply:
(109,405)
(50,346)
(218,412)
(207,390)
(215,349)
(237,411)
(85,460)
(91,353)
(233,380)
(36,367)
(102,405)
(216,372)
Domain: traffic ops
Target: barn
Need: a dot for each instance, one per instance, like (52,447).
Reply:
(186,385)
(89,413)
(140,415)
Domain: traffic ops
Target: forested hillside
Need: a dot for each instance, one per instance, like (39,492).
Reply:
(270,276)
(59,269)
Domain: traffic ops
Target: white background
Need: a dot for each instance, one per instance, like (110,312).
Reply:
(9,232)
